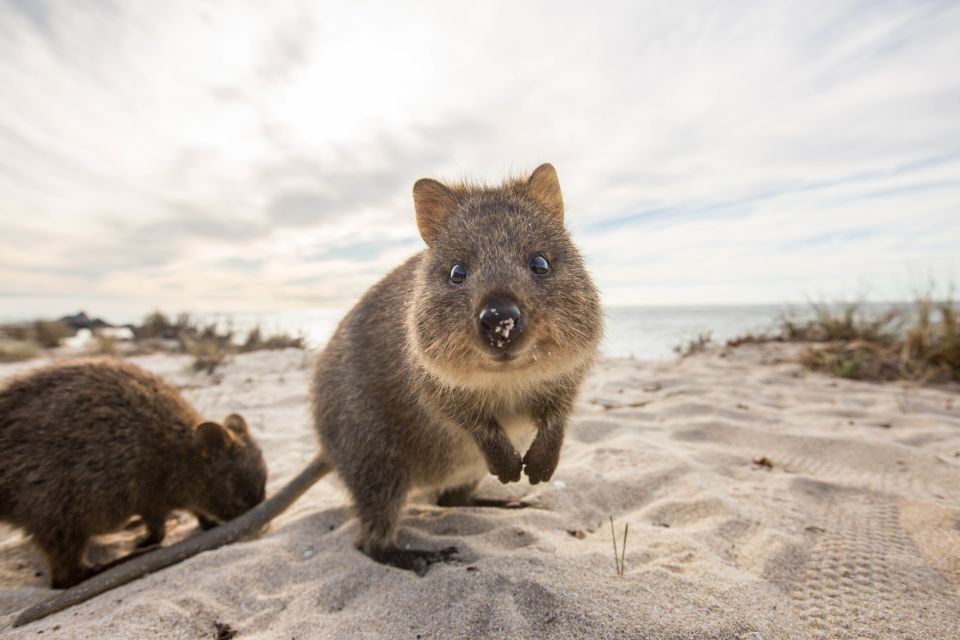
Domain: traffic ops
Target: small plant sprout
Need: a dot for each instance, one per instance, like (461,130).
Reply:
(620,557)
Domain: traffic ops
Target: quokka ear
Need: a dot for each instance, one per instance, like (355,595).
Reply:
(211,437)
(235,423)
(433,201)
(544,187)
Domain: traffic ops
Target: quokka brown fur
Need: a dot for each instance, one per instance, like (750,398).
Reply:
(462,357)
(87,444)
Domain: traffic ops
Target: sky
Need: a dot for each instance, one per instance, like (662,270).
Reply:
(256,156)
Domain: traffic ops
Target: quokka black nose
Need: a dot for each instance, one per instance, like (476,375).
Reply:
(500,322)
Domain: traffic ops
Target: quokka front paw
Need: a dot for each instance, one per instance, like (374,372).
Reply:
(540,463)
(507,466)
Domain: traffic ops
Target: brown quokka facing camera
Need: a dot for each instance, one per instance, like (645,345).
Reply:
(465,360)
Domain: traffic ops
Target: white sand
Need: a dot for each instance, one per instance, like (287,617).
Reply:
(853,533)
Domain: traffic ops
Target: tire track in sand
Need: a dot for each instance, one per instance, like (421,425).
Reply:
(863,570)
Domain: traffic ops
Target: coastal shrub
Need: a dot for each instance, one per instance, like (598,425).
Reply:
(698,345)
(17,350)
(49,333)
(104,345)
(211,343)
(918,342)
(255,341)
(208,352)
(41,334)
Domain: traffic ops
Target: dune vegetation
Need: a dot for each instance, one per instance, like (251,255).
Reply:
(918,341)
(210,343)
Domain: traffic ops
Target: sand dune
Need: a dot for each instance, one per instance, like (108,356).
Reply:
(853,531)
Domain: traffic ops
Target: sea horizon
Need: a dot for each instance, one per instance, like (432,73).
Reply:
(646,332)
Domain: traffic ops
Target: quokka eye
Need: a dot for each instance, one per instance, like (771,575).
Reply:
(539,265)
(458,274)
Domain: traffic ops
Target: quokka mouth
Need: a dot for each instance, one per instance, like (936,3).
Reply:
(495,359)
(503,350)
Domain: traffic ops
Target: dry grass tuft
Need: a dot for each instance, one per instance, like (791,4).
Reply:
(919,342)
(105,345)
(23,341)
(45,334)
(208,353)
(255,341)
(157,326)
(208,343)
(698,345)
(17,350)
(49,334)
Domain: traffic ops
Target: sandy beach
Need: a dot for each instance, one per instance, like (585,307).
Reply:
(763,501)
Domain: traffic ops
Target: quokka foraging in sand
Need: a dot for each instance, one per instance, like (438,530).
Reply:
(446,369)
(86,444)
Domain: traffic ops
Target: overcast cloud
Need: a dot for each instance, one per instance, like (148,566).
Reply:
(252,156)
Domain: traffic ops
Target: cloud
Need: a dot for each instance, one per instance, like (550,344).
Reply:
(262,156)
